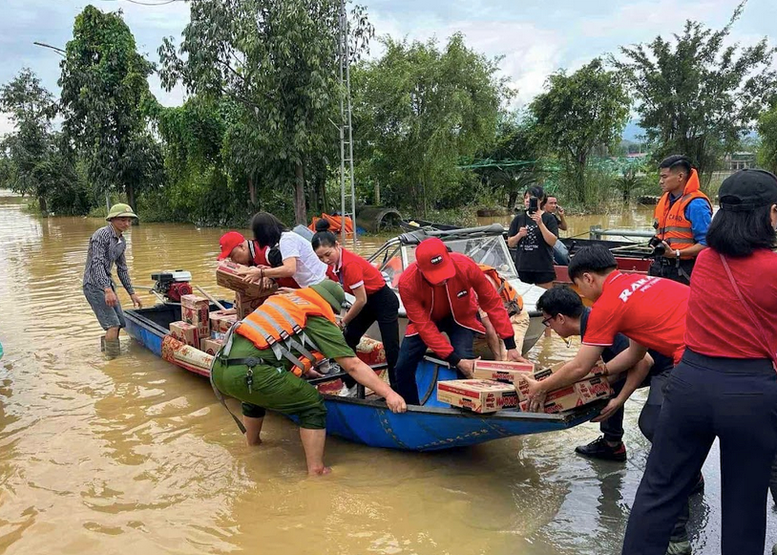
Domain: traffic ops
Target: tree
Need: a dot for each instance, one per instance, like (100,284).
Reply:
(577,114)
(696,96)
(418,111)
(512,164)
(105,100)
(767,130)
(29,148)
(276,60)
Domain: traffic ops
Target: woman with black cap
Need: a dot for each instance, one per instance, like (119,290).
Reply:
(726,384)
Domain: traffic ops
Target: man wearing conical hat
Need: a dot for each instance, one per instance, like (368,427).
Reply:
(106,248)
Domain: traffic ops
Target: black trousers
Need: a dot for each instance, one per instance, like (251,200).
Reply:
(382,307)
(612,428)
(736,401)
(666,268)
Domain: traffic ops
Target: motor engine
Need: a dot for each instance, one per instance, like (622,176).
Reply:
(172,284)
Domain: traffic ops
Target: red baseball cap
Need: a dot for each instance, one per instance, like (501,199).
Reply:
(228,242)
(434,261)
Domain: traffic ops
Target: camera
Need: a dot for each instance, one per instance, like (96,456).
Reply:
(658,247)
(534,205)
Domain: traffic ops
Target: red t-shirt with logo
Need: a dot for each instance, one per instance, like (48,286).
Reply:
(718,325)
(355,272)
(649,310)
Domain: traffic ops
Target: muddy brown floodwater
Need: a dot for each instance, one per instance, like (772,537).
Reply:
(134,455)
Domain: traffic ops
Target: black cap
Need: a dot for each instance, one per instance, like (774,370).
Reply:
(747,190)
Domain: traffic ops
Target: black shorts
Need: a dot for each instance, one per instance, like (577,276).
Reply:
(536,277)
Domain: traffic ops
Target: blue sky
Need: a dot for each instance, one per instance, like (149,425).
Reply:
(535,37)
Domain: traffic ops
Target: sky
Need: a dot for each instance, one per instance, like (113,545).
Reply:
(533,37)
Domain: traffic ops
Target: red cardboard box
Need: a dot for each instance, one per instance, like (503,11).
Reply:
(523,388)
(227,276)
(185,333)
(211,346)
(222,320)
(481,396)
(246,305)
(576,395)
(194,310)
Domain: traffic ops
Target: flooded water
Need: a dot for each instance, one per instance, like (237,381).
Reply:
(134,454)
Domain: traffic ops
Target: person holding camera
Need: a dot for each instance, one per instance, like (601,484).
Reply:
(681,219)
(533,233)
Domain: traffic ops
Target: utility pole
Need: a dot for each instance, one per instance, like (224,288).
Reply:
(347,186)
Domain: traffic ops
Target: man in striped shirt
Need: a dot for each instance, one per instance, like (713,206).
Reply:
(107,247)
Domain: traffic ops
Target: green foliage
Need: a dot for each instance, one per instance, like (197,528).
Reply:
(578,114)
(696,96)
(104,102)
(767,130)
(276,62)
(420,110)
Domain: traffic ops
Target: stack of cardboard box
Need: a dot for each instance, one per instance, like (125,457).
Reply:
(222,320)
(491,388)
(211,346)
(246,305)
(195,311)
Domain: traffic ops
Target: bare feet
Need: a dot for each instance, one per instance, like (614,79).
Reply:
(253,442)
(321,471)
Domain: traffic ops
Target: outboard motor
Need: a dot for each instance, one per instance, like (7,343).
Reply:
(172,284)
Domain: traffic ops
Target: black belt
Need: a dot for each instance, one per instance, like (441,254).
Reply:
(247,361)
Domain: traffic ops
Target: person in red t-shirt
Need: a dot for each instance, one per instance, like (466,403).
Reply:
(375,301)
(248,253)
(726,384)
(437,291)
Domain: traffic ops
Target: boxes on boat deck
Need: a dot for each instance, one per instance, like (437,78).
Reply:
(185,333)
(222,320)
(541,374)
(194,310)
(245,305)
(576,395)
(211,346)
(481,396)
(500,371)
(227,276)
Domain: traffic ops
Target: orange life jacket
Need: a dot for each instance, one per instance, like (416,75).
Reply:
(670,222)
(279,325)
(512,300)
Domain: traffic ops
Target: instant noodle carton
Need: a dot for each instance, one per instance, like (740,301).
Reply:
(211,346)
(576,395)
(227,276)
(185,333)
(194,310)
(500,371)
(541,374)
(222,320)
(245,305)
(481,396)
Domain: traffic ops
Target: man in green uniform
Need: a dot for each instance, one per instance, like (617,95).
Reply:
(270,385)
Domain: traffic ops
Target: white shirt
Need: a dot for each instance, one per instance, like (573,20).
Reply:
(310,270)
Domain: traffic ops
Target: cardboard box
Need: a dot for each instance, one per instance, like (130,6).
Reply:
(185,333)
(576,395)
(227,276)
(194,310)
(211,346)
(541,374)
(481,396)
(245,305)
(500,371)
(222,320)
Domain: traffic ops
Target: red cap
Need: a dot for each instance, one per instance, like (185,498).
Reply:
(228,242)
(434,261)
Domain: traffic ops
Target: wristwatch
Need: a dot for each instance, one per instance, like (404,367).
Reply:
(677,253)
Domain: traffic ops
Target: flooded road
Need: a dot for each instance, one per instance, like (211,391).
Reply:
(135,455)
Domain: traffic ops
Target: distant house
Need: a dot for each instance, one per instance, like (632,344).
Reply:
(739,161)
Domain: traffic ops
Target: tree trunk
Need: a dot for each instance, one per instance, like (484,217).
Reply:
(44,209)
(511,199)
(251,190)
(300,212)
(377,193)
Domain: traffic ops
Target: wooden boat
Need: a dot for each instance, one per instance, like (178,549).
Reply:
(428,427)
(484,245)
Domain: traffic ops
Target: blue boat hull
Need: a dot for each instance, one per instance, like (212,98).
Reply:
(432,426)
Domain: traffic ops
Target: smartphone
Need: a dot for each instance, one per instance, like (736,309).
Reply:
(533,205)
